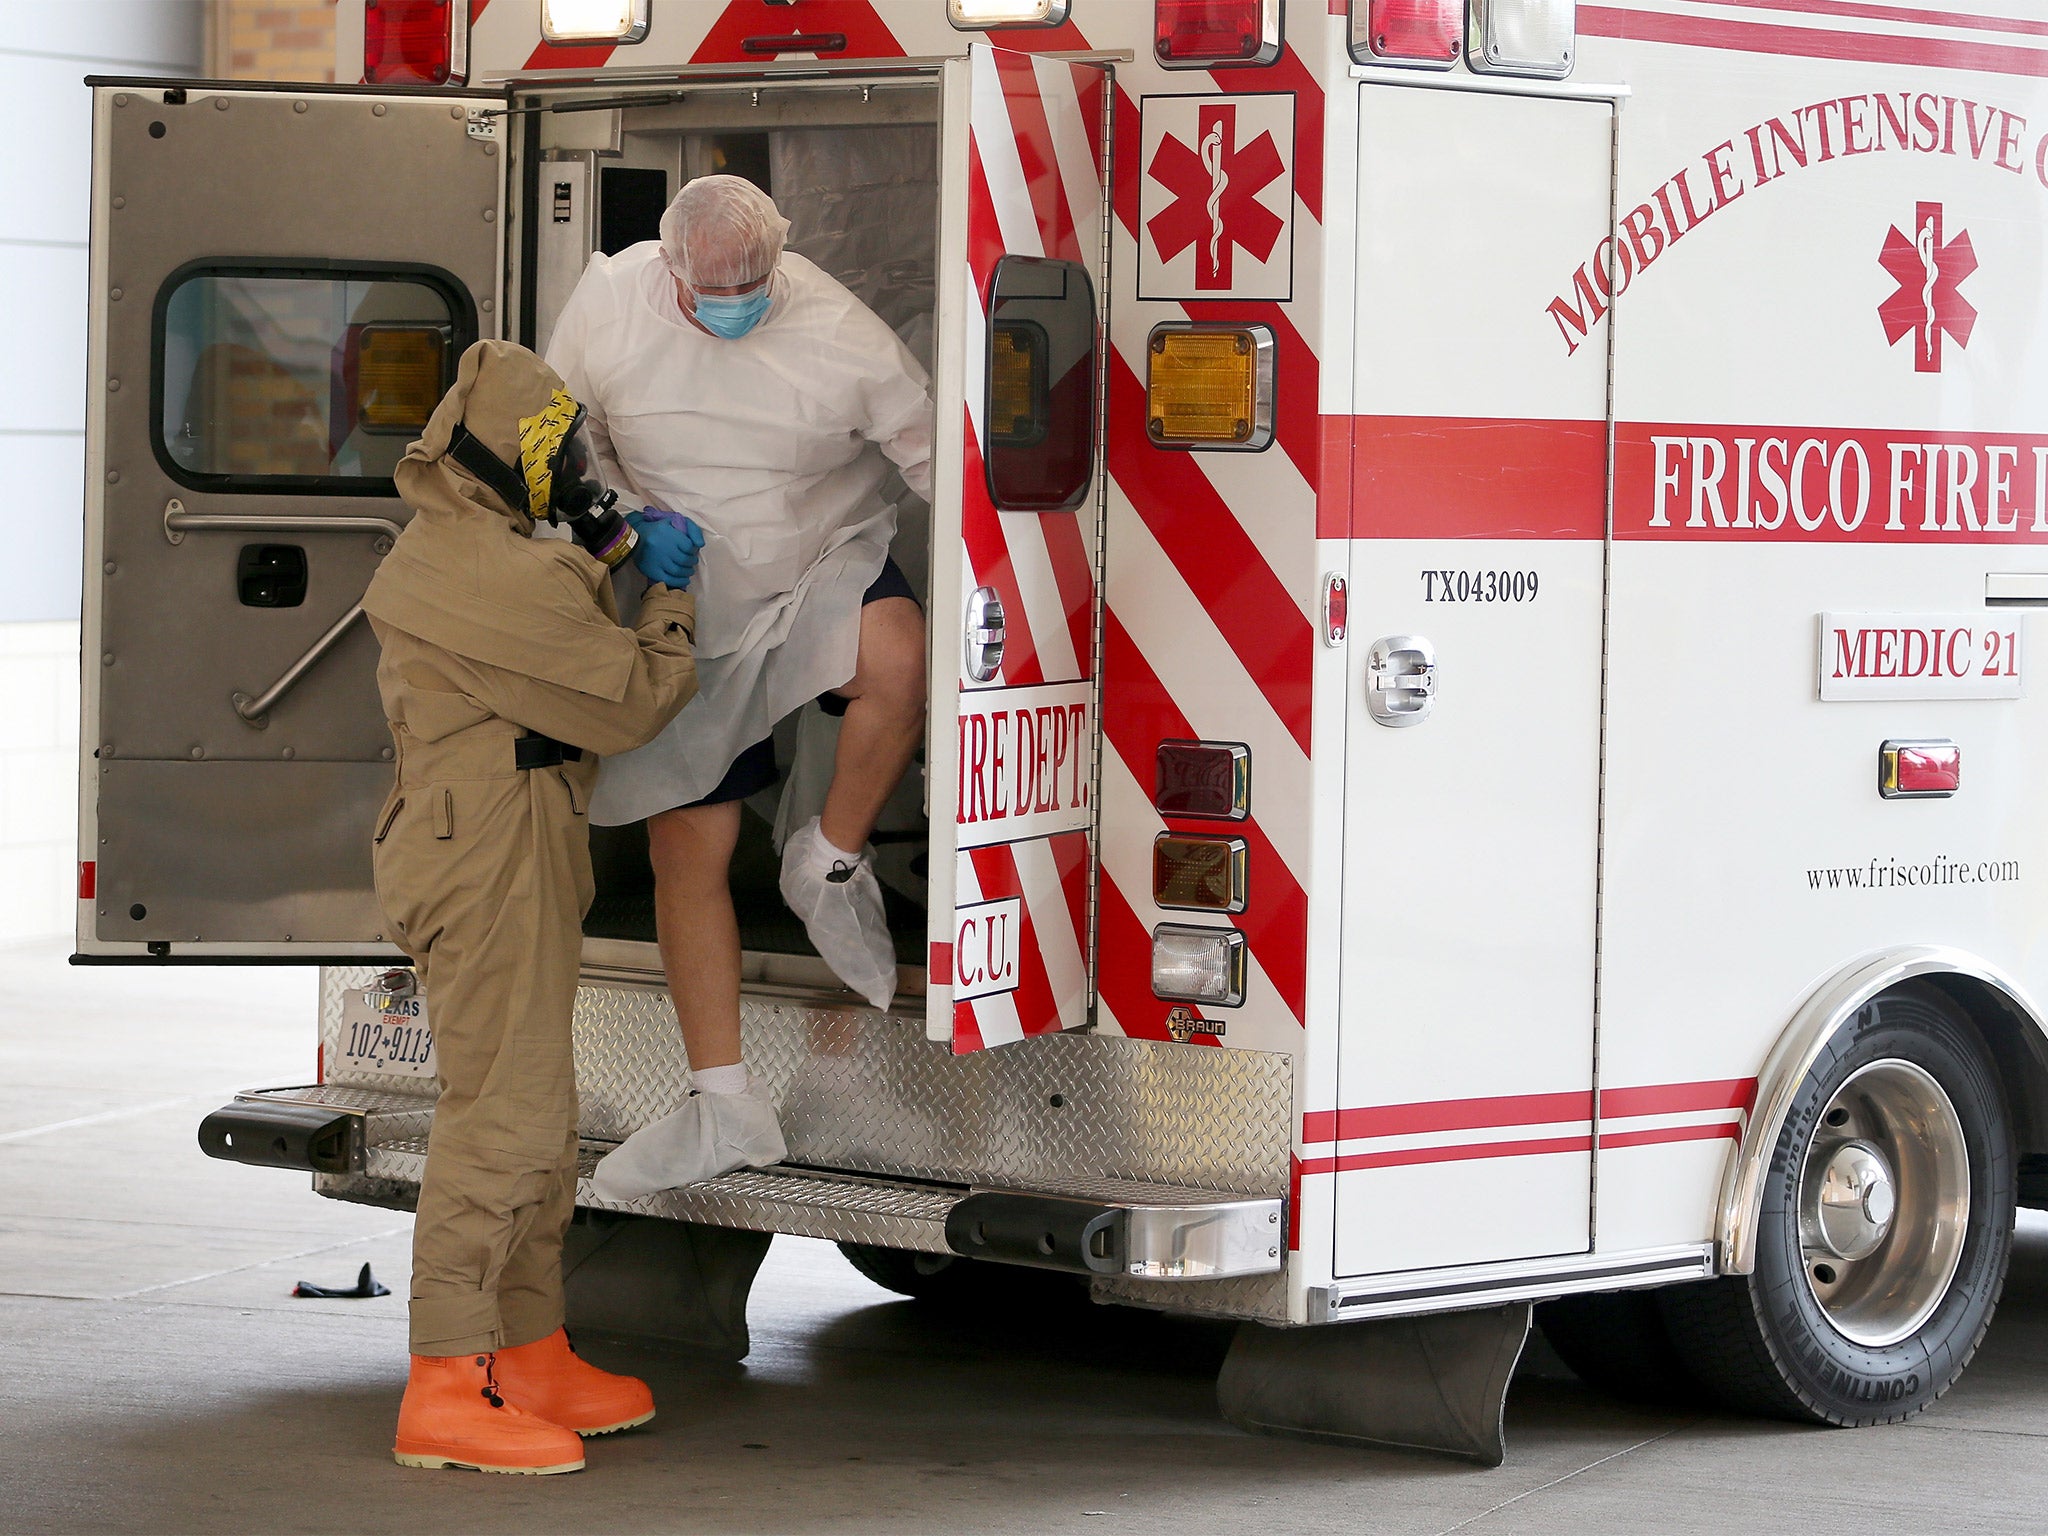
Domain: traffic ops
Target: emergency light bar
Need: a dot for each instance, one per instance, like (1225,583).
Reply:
(593,21)
(1416,34)
(415,42)
(987,15)
(1213,34)
(1523,37)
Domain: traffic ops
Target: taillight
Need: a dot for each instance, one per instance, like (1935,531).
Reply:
(415,42)
(1199,965)
(1523,37)
(1200,874)
(1422,34)
(1209,386)
(1919,770)
(1209,779)
(1206,34)
(987,15)
(593,21)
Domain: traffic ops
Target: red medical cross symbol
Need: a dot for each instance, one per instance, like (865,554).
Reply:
(1215,186)
(1930,274)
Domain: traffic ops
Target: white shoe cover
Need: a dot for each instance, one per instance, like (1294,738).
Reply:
(712,1133)
(843,917)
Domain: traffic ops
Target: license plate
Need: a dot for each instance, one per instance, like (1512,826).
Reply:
(386,1035)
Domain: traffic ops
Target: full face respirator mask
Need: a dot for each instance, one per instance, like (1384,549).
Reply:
(557,481)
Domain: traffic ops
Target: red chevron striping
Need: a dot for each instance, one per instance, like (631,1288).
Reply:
(1138,713)
(1070,857)
(547,55)
(984,234)
(1123,965)
(1067,547)
(1025,108)
(989,563)
(1038,1011)
(1289,73)
(1214,554)
(867,35)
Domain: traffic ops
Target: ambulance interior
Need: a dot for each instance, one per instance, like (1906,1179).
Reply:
(855,171)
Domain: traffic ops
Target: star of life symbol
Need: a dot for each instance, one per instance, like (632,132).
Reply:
(1929,304)
(1218,197)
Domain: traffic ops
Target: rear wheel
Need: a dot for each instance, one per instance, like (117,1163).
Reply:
(1617,1343)
(1884,1230)
(925,1276)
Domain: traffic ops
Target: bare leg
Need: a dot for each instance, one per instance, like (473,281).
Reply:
(691,849)
(884,722)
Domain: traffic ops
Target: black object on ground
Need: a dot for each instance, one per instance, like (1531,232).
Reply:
(366,1285)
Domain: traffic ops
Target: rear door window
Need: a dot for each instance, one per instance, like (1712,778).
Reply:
(272,379)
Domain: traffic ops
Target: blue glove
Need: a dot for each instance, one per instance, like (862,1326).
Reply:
(667,551)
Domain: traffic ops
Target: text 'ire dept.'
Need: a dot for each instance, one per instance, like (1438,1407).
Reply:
(1022,762)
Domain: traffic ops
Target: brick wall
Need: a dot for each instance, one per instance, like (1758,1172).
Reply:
(270,39)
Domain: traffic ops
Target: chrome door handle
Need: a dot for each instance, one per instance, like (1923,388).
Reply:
(985,634)
(1401,680)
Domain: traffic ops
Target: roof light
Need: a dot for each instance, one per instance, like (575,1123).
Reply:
(400,373)
(1199,965)
(1200,874)
(1421,34)
(1919,770)
(415,42)
(593,21)
(1207,34)
(1210,779)
(1209,386)
(1523,37)
(984,15)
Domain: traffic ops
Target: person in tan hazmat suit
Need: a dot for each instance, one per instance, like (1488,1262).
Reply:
(505,675)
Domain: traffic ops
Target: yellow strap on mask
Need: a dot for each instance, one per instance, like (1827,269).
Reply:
(540,438)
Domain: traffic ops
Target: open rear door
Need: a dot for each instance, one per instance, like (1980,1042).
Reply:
(1016,547)
(282,281)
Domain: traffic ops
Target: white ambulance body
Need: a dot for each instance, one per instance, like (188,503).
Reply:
(1481,745)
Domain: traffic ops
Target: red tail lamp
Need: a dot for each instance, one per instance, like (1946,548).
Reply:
(415,42)
(1210,779)
(1211,34)
(1919,770)
(1422,34)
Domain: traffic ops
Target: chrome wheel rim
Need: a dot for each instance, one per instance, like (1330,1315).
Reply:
(1884,1199)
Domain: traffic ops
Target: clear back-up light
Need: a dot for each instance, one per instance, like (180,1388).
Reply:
(1538,38)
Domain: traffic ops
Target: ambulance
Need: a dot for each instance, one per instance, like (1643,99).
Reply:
(1482,749)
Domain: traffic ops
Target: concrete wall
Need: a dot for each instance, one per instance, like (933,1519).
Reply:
(46,49)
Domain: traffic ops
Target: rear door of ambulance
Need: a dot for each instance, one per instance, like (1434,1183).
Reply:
(1016,547)
(281,284)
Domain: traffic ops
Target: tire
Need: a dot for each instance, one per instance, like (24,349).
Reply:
(923,1276)
(1617,1343)
(1866,1306)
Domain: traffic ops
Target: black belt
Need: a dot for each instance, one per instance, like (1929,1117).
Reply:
(544,752)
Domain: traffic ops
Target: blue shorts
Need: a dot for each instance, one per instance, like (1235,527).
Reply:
(754,769)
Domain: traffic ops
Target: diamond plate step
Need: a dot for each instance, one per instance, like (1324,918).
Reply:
(1165,1232)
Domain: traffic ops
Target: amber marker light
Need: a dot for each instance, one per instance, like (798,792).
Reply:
(1209,386)
(1199,874)
(399,372)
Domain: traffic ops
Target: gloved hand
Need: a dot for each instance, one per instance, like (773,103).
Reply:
(667,551)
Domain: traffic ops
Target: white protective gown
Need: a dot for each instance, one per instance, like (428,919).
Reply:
(776,444)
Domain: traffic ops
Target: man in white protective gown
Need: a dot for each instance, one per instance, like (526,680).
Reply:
(738,386)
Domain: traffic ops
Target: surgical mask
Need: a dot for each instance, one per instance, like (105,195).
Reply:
(732,315)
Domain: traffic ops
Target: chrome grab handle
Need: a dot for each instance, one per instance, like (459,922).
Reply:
(1400,680)
(253,710)
(178,522)
(986,634)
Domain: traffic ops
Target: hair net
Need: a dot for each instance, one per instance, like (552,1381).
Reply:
(722,232)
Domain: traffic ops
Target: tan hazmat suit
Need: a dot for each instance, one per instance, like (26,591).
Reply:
(483,868)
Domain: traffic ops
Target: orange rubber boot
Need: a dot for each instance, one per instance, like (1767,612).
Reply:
(547,1379)
(454,1415)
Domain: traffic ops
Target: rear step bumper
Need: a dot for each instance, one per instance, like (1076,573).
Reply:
(1091,1226)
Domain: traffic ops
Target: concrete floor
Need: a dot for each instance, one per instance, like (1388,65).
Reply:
(158,1377)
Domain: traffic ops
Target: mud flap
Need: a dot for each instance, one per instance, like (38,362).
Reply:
(672,1282)
(1436,1383)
